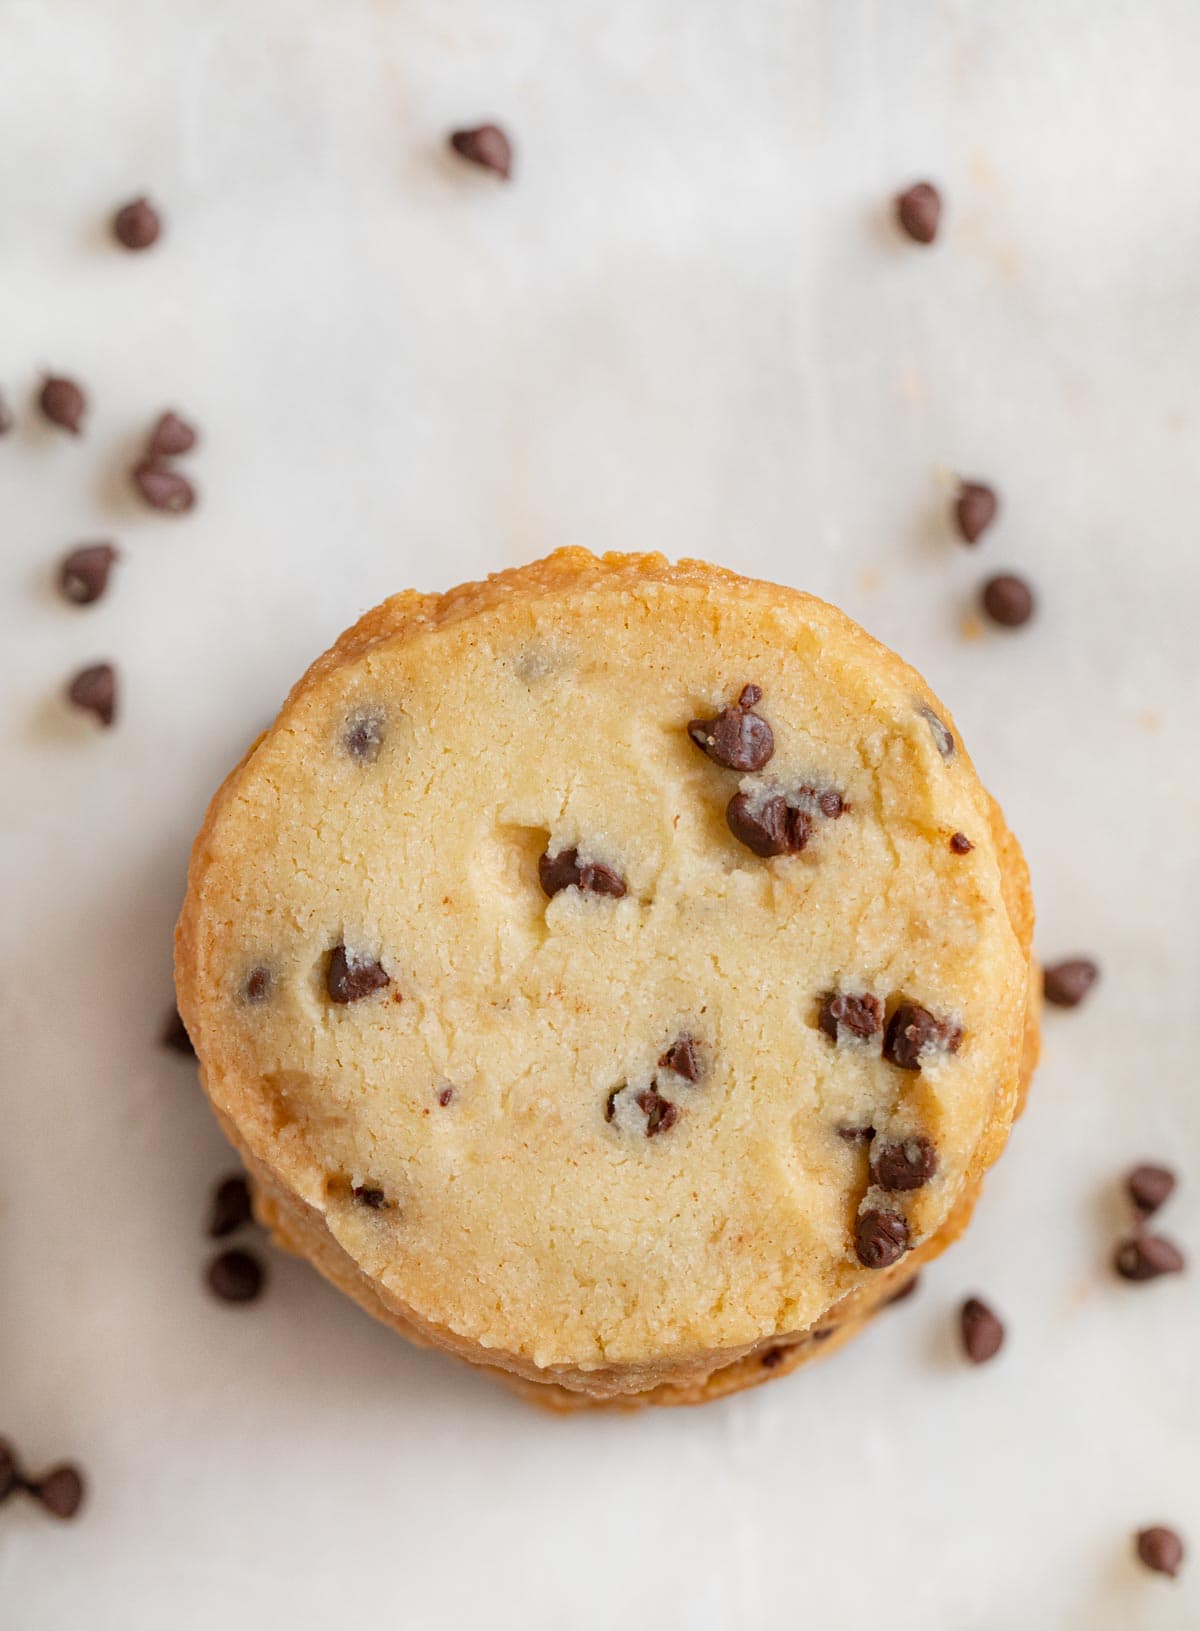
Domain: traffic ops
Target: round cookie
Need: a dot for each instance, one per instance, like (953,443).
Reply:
(611,973)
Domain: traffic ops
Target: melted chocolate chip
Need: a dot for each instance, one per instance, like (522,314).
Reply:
(760,824)
(137,225)
(880,1238)
(974,510)
(902,1164)
(1066,984)
(362,736)
(845,1017)
(913,1032)
(163,488)
(485,145)
(370,1196)
(258,985)
(235,1277)
(60,1491)
(683,1057)
(1149,1186)
(94,690)
(1160,1549)
(1008,600)
(230,1208)
(738,738)
(919,210)
(960,843)
(982,1332)
(1147,1257)
(565,871)
(63,403)
(171,435)
(941,736)
(175,1036)
(661,1115)
(83,575)
(350,978)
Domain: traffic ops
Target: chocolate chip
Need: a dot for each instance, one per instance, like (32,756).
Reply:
(60,1491)
(982,1332)
(163,488)
(1066,984)
(10,1470)
(905,1163)
(907,1290)
(1147,1257)
(661,1115)
(761,824)
(63,403)
(175,1036)
(975,509)
(775,1356)
(258,985)
(171,435)
(136,225)
(363,735)
(941,736)
(845,1017)
(799,830)
(445,1094)
(824,1332)
(83,575)
(610,1103)
(1149,1186)
(350,978)
(565,871)
(683,1057)
(856,1135)
(485,145)
(1007,600)
(918,210)
(235,1277)
(880,1238)
(230,1208)
(1160,1549)
(913,1032)
(960,843)
(370,1196)
(7,418)
(831,804)
(94,689)
(738,738)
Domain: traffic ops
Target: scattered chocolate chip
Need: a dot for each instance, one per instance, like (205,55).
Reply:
(94,689)
(235,1277)
(1149,1186)
(975,509)
(83,575)
(175,1036)
(564,871)
(1160,1549)
(445,1094)
(761,824)
(845,1017)
(775,1356)
(171,436)
(906,1163)
(856,1135)
(960,843)
(918,210)
(7,418)
(63,403)
(363,735)
(60,1491)
(880,1238)
(350,979)
(738,738)
(258,985)
(136,225)
(370,1196)
(913,1032)
(941,736)
(982,1332)
(163,488)
(1007,600)
(1066,984)
(230,1208)
(10,1470)
(485,145)
(907,1290)
(660,1113)
(683,1057)
(1147,1257)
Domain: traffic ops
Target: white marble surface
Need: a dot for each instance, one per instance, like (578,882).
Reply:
(686,325)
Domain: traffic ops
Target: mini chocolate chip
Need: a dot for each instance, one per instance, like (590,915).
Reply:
(63,403)
(913,1032)
(845,1017)
(918,210)
(610,1103)
(163,488)
(982,1333)
(363,735)
(683,1057)
(60,1491)
(775,1356)
(1160,1549)
(1147,1257)
(83,575)
(350,979)
(941,736)
(856,1135)
(10,1470)
(660,1113)
(136,225)
(1149,1186)
(445,1094)
(905,1163)
(1066,984)
(960,843)
(485,145)
(564,871)
(799,830)
(370,1196)
(258,985)
(831,804)
(235,1277)
(171,435)
(760,824)
(738,738)
(1007,600)
(175,1036)
(7,418)
(94,689)
(596,879)
(975,509)
(880,1238)
(907,1290)
(230,1208)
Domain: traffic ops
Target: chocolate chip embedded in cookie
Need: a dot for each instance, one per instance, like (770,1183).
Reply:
(844,1016)
(566,871)
(913,1034)
(350,976)
(738,738)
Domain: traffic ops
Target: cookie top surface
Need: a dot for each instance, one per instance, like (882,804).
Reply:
(597,948)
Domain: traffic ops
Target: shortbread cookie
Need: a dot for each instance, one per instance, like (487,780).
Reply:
(612,973)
